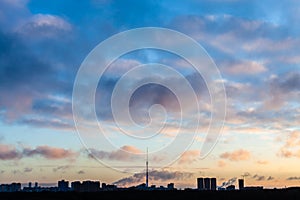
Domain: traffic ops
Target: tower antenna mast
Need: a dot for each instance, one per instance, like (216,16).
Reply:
(147,169)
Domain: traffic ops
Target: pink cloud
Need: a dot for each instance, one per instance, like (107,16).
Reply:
(125,153)
(237,155)
(8,152)
(262,162)
(131,149)
(222,163)
(50,152)
(189,157)
(291,147)
(245,67)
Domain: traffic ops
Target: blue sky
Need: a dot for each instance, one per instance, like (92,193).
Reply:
(254,44)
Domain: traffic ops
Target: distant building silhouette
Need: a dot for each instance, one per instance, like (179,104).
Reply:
(200,183)
(253,188)
(170,186)
(142,186)
(75,186)
(63,186)
(207,183)
(213,184)
(13,187)
(91,186)
(85,186)
(241,184)
(153,186)
(36,187)
(230,187)
(108,187)
(94,186)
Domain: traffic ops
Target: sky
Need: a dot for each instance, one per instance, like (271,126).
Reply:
(254,45)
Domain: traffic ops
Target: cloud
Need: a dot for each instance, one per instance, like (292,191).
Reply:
(154,176)
(292,178)
(29,113)
(35,66)
(231,34)
(291,147)
(189,157)
(147,95)
(271,46)
(262,162)
(293,139)
(237,155)
(125,153)
(19,7)
(221,163)
(288,153)
(15,171)
(48,123)
(45,25)
(262,103)
(61,169)
(21,70)
(8,152)
(31,64)
(246,174)
(27,169)
(258,177)
(282,89)
(49,152)
(121,66)
(131,149)
(245,67)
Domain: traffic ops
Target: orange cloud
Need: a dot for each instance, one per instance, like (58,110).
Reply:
(131,149)
(293,139)
(8,152)
(237,155)
(125,153)
(262,162)
(288,153)
(50,152)
(221,163)
(290,148)
(189,156)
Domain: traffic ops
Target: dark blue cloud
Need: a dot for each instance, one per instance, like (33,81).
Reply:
(35,66)
(25,77)
(18,65)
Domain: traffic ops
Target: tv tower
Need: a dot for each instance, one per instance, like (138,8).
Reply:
(147,169)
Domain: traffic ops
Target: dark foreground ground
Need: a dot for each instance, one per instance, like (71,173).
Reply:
(172,195)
